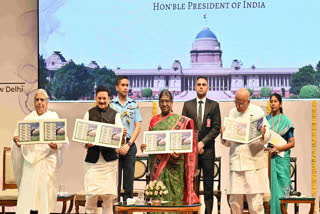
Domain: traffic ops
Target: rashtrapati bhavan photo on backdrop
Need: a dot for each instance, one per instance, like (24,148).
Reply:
(205,60)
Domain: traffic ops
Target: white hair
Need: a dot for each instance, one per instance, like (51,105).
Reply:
(41,91)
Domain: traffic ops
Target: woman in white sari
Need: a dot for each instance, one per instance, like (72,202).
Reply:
(35,165)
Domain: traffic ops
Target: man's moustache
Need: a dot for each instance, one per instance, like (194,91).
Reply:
(101,103)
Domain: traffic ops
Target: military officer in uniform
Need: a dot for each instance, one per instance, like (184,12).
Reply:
(131,119)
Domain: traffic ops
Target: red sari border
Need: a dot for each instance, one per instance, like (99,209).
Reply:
(161,160)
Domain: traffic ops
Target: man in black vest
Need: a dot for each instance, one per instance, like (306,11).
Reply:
(101,168)
(207,123)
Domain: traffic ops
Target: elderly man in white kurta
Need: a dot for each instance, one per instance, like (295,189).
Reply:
(248,168)
(35,165)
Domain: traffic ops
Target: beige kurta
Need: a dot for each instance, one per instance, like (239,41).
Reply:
(102,177)
(35,172)
(248,165)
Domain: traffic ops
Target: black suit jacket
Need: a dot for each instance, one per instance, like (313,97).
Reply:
(211,124)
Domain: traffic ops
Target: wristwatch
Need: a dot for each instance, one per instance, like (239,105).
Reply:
(130,143)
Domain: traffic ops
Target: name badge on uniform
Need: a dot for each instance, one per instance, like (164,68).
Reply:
(208,123)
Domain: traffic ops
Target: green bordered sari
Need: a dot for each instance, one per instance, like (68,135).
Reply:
(176,174)
(280,167)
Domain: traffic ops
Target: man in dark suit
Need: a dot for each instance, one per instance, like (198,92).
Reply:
(206,116)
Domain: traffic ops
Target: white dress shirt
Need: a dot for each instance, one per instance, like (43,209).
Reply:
(203,105)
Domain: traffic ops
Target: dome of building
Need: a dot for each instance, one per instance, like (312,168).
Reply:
(206,33)
(206,50)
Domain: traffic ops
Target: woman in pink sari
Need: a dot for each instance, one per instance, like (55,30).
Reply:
(175,170)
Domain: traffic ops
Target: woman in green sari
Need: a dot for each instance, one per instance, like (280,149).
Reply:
(280,166)
(175,170)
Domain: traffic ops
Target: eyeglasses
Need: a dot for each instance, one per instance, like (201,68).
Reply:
(241,105)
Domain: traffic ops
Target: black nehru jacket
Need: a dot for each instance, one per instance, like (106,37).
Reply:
(106,115)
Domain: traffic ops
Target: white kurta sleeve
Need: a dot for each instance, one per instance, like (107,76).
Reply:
(267,135)
(17,162)
(17,156)
(118,120)
(226,143)
(86,116)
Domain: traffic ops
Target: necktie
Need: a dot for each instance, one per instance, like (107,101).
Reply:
(200,115)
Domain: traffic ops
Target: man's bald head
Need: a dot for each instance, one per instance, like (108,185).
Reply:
(242,100)
(243,93)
